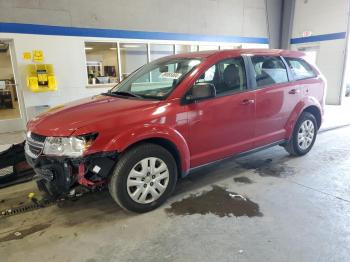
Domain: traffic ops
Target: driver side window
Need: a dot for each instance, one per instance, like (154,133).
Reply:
(227,76)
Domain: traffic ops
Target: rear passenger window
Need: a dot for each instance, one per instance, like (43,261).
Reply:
(269,70)
(300,68)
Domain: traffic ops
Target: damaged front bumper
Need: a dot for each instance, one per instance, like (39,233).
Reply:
(64,173)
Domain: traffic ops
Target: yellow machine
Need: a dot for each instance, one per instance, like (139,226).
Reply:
(41,78)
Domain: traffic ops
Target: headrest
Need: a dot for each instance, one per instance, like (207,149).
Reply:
(269,64)
(231,75)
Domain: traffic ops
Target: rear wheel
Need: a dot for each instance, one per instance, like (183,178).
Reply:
(304,135)
(144,178)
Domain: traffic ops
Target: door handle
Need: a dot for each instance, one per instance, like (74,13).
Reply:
(294,91)
(248,101)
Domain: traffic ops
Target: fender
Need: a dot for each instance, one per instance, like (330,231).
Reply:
(137,134)
(298,109)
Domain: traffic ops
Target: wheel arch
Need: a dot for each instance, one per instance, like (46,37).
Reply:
(165,143)
(315,111)
(309,104)
(169,138)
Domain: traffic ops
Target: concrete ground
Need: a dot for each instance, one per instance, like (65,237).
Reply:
(263,207)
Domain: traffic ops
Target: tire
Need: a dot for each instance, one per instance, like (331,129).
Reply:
(296,147)
(135,167)
(49,190)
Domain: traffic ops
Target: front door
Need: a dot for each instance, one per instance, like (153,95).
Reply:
(223,125)
(11,117)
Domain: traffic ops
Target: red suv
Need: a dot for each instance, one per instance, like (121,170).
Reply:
(174,115)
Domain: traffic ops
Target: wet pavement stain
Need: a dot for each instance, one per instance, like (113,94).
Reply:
(217,201)
(334,155)
(20,234)
(243,179)
(268,168)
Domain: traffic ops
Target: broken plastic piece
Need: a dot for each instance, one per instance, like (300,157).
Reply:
(237,196)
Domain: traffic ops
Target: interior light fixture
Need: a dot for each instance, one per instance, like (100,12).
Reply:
(88,48)
(113,48)
(130,45)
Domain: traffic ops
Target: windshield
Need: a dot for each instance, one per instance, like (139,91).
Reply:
(155,80)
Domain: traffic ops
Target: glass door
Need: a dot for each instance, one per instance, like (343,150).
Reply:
(11,118)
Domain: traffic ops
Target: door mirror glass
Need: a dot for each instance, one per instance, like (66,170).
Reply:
(201,91)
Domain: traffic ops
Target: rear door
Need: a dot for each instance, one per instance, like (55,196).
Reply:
(276,98)
(306,78)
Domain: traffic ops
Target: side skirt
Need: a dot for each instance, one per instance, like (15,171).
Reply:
(281,143)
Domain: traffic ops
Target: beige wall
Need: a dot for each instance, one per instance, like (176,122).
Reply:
(324,17)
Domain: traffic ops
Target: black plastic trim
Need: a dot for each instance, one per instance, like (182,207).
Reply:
(280,142)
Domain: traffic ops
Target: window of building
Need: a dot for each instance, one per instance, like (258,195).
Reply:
(300,68)
(101,63)
(269,70)
(208,47)
(159,51)
(228,47)
(132,56)
(227,76)
(180,49)
(9,104)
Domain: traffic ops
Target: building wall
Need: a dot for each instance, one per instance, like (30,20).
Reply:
(322,18)
(210,17)
(242,18)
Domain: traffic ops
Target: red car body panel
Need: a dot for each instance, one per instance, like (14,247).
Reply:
(213,130)
(66,119)
(201,132)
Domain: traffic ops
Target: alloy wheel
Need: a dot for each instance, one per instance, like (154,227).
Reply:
(306,134)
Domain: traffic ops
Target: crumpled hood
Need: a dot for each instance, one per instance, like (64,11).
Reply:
(65,119)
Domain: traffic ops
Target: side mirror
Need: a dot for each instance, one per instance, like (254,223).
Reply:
(201,91)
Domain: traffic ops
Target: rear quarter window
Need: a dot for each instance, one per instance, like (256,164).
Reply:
(300,68)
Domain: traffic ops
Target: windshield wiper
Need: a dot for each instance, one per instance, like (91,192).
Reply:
(126,93)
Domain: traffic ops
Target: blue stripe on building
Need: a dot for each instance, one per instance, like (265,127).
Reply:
(318,38)
(115,33)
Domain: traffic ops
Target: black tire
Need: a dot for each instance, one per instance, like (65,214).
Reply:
(49,190)
(118,181)
(292,146)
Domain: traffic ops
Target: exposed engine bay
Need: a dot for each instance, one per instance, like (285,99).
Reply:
(59,175)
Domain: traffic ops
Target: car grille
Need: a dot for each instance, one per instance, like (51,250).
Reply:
(37,138)
(34,144)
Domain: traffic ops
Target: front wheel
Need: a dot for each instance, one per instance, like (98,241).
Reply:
(144,178)
(304,135)
(49,189)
